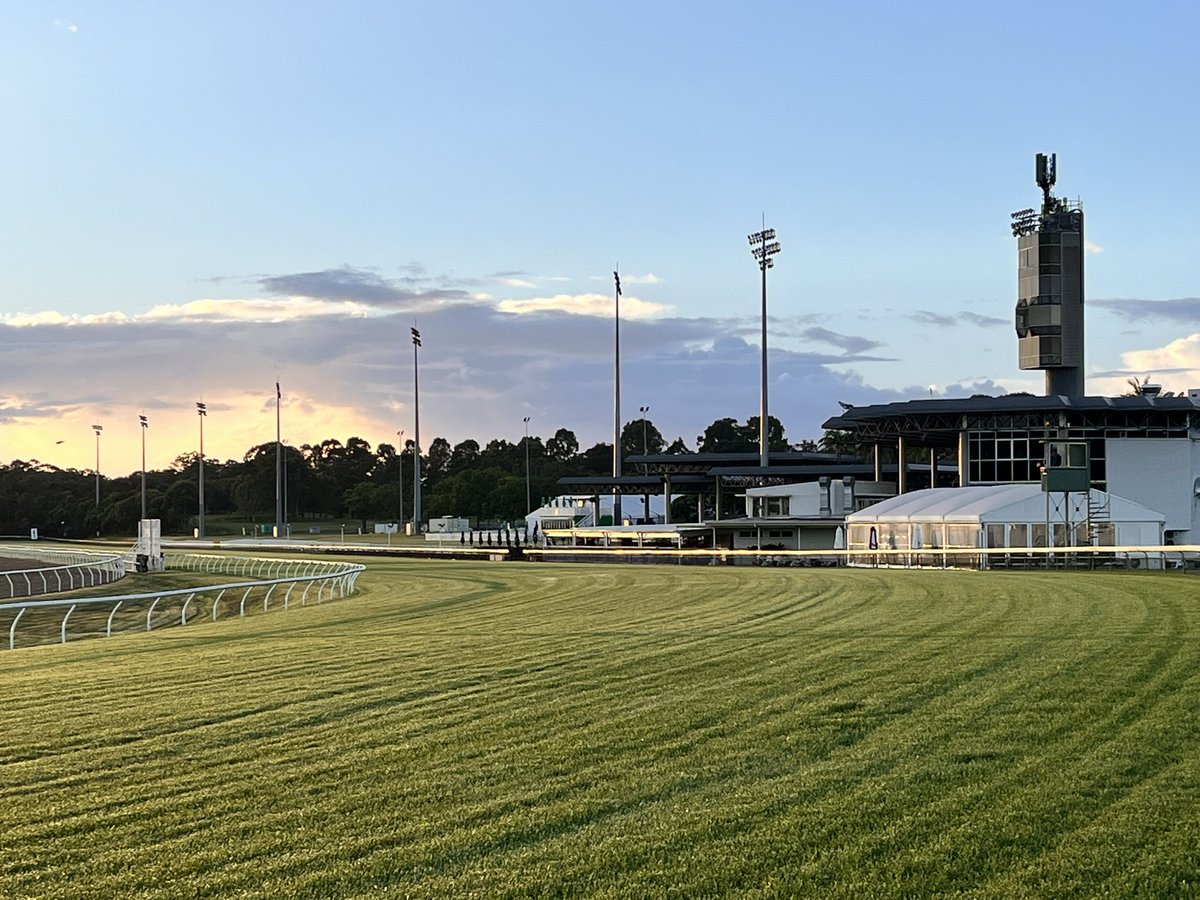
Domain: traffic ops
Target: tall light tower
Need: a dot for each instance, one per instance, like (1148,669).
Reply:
(202,413)
(145,425)
(616,398)
(400,460)
(645,450)
(763,245)
(97,429)
(278,465)
(416,342)
(527,507)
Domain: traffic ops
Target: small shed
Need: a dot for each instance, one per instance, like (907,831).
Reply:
(1002,515)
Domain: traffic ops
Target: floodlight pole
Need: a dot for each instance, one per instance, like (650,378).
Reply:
(616,519)
(645,450)
(202,413)
(416,342)
(527,508)
(400,460)
(278,465)
(287,528)
(764,246)
(97,429)
(145,425)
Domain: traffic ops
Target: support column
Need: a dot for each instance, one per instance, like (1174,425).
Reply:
(933,467)
(666,499)
(878,462)
(901,475)
(963,480)
(717,480)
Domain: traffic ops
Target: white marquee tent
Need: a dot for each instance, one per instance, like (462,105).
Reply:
(1002,515)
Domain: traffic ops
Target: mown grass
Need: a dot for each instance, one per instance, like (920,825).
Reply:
(460,729)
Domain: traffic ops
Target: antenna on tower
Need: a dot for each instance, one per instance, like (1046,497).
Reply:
(1046,175)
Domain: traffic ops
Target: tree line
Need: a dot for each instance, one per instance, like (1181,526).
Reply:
(334,480)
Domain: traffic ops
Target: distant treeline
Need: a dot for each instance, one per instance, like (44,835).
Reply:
(335,480)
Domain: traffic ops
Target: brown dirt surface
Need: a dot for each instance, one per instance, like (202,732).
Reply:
(9,563)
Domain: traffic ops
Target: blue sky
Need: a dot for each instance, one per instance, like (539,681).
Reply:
(199,199)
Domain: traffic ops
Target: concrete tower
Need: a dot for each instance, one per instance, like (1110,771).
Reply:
(1049,316)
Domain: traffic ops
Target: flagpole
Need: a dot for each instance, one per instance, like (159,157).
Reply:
(616,519)
(278,466)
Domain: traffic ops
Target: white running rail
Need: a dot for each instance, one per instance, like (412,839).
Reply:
(324,580)
(63,570)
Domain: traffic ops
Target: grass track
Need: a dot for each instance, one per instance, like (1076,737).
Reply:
(509,730)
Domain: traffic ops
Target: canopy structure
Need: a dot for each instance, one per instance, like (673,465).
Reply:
(1004,515)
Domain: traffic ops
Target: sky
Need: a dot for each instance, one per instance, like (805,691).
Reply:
(200,200)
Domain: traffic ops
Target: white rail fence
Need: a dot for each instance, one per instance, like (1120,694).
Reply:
(1184,558)
(63,570)
(322,579)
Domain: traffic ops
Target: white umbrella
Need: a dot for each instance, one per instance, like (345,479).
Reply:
(839,539)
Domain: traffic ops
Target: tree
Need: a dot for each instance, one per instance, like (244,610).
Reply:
(563,446)
(776,440)
(638,434)
(838,441)
(367,500)
(598,460)
(437,461)
(678,447)
(725,436)
(464,455)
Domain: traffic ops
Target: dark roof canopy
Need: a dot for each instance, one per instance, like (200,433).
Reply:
(938,422)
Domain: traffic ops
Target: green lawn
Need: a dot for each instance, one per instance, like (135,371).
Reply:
(504,729)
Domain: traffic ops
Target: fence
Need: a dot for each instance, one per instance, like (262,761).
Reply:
(65,570)
(1184,558)
(179,606)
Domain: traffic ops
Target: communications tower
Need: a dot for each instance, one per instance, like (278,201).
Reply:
(1049,315)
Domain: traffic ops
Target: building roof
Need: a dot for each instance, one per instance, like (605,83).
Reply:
(988,503)
(938,422)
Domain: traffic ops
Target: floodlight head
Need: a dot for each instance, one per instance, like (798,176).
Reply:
(144,423)
(97,428)
(202,409)
(416,337)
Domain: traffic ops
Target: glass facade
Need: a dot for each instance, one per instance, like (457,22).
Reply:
(1012,456)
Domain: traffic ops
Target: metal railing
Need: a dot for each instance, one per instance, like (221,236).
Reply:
(1185,558)
(65,570)
(331,579)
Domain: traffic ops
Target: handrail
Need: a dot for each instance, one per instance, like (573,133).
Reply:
(82,568)
(340,576)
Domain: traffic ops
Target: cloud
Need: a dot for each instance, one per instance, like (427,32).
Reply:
(50,317)
(584,305)
(981,320)
(925,317)
(1183,309)
(361,286)
(1179,356)
(255,310)
(337,340)
(629,278)
(941,320)
(849,343)
(1091,247)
